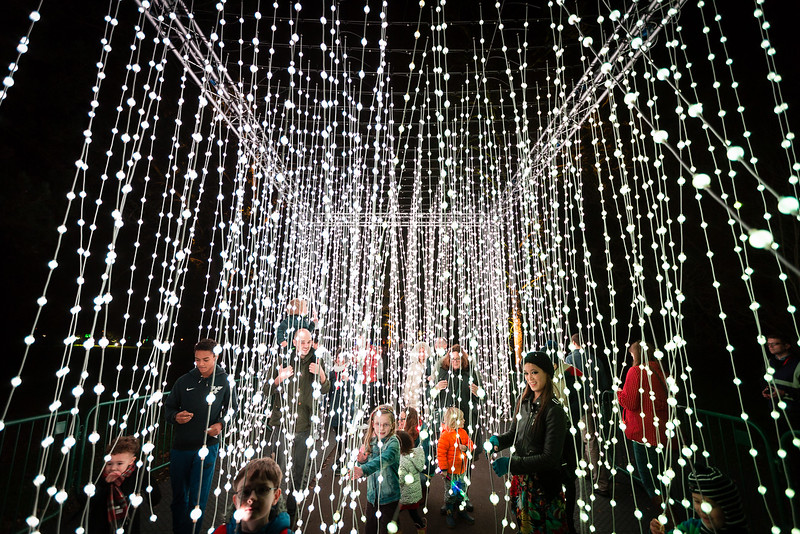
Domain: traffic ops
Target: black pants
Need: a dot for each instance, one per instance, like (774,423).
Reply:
(379,525)
(416,518)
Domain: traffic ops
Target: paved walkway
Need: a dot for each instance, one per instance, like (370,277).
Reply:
(606,518)
(607,515)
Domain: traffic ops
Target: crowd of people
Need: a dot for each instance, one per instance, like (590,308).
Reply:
(435,431)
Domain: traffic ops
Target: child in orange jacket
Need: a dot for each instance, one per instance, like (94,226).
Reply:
(454,454)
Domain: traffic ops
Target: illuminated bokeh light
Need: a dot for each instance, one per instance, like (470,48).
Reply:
(437,198)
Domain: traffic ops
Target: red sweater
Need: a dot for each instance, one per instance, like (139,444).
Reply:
(641,410)
(452,459)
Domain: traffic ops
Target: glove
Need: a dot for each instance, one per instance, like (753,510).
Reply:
(500,466)
(495,441)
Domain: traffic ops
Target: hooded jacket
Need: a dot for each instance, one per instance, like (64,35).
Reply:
(411,464)
(190,393)
(279,524)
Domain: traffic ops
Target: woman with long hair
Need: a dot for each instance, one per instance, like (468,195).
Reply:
(414,386)
(379,461)
(537,434)
(460,385)
(643,398)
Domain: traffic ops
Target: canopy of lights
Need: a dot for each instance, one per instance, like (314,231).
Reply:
(501,176)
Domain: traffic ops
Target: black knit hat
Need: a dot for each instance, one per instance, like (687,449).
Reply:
(540,360)
(712,484)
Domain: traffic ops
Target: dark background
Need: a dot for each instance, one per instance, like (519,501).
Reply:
(41,124)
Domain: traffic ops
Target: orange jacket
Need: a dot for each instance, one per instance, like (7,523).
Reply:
(452,459)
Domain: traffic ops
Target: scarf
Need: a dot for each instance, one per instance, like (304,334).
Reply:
(117,502)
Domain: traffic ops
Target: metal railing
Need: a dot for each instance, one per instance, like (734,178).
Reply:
(727,439)
(21,455)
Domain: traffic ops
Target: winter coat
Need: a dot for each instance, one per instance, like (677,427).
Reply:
(459,395)
(452,459)
(383,461)
(411,465)
(290,325)
(98,504)
(277,525)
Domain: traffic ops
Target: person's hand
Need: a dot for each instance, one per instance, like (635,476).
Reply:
(442,384)
(111,477)
(768,392)
(284,373)
(214,430)
(474,389)
(495,441)
(362,455)
(500,466)
(656,527)
(356,473)
(463,448)
(284,344)
(183,417)
(314,318)
(315,368)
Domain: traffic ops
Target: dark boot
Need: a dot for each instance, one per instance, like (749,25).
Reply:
(466,517)
(443,509)
(450,518)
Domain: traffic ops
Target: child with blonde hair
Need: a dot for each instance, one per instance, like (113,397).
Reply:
(454,454)
(379,461)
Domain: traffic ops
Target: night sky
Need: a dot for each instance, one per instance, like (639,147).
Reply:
(41,124)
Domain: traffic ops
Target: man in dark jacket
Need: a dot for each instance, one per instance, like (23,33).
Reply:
(594,380)
(200,402)
(293,407)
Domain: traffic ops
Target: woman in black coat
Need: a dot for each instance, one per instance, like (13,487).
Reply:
(537,433)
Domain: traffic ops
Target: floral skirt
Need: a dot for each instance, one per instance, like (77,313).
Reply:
(536,514)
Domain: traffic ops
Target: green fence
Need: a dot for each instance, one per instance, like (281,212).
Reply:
(22,454)
(727,439)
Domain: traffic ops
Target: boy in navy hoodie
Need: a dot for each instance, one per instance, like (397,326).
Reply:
(257,501)
(198,424)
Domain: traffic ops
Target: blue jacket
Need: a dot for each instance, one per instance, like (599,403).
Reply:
(290,325)
(189,393)
(277,525)
(383,461)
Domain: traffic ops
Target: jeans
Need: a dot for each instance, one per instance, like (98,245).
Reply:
(190,478)
(592,449)
(418,520)
(642,456)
